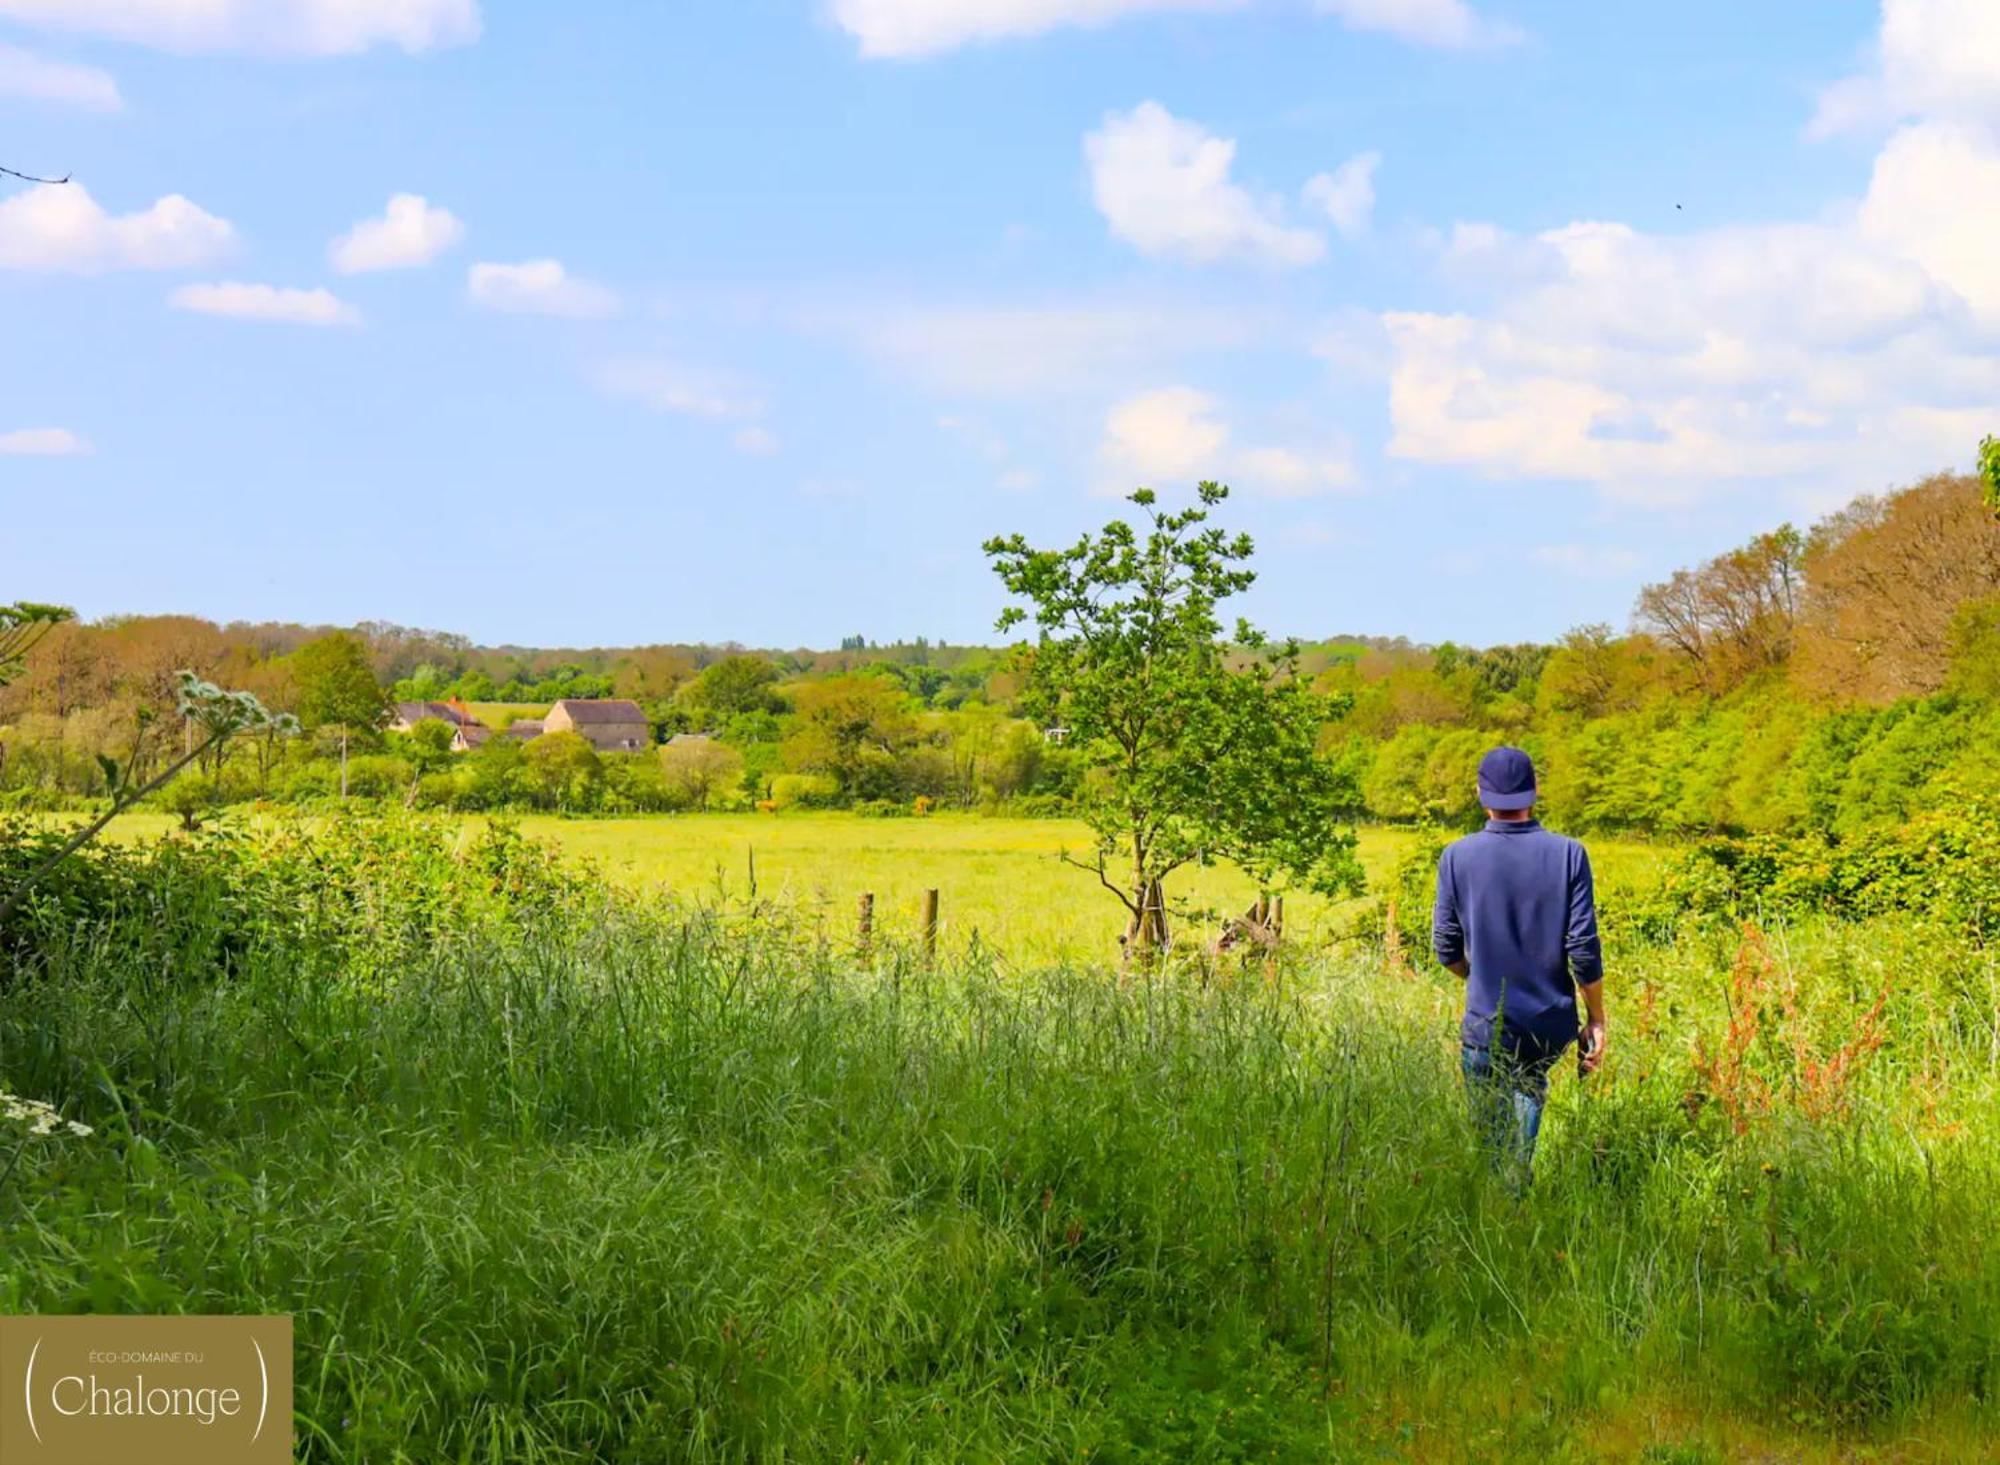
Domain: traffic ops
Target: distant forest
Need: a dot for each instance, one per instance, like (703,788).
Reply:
(1841,674)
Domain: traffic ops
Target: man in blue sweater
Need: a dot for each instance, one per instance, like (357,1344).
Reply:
(1517,919)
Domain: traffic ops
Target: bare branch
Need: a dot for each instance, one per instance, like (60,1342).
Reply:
(31,178)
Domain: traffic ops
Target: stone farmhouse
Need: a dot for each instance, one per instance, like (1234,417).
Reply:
(467,731)
(610,725)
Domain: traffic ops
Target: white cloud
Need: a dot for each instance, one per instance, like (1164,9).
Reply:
(1176,435)
(265,27)
(268,303)
(904,29)
(410,233)
(1447,23)
(39,79)
(1817,359)
(1825,357)
(1935,199)
(1168,436)
(756,442)
(1164,187)
(1587,561)
(896,29)
(62,229)
(43,442)
(538,287)
(1347,194)
(1933,58)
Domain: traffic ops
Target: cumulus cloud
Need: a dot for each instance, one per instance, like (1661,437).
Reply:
(410,233)
(1938,59)
(1347,194)
(537,287)
(904,29)
(1816,358)
(912,28)
(265,27)
(39,79)
(1177,435)
(1164,186)
(1821,355)
(268,303)
(42,442)
(62,229)
(1934,198)
(1450,24)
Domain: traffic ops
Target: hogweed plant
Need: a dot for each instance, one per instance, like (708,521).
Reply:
(37,1121)
(219,715)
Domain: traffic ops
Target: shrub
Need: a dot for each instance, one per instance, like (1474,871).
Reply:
(805,791)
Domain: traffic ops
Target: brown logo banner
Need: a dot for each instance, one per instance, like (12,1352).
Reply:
(105,1390)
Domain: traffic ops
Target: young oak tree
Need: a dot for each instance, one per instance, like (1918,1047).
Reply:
(1197,749)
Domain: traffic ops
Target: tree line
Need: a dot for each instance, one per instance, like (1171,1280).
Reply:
(1834,675)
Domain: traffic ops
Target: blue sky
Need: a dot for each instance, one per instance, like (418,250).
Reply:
(618,322)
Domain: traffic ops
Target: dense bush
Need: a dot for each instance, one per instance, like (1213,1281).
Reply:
(1944,865)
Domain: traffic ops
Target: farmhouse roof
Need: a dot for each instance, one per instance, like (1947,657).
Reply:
(525,728)
(415,712)
(604,709)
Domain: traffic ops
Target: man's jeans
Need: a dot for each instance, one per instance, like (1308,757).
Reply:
(1506,1092)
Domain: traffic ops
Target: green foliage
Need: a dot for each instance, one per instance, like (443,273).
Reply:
(734,687)
(337,686)
(1192,753)
(1975,650)
(805,790)
(189,798)
(1989,472)
(563,769)
(22,624)
(546,1176)
(427,745)
(1941,864)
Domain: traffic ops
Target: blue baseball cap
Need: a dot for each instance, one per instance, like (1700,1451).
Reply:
(1506,780)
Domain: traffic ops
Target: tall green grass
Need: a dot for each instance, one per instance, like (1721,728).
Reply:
(547,1174)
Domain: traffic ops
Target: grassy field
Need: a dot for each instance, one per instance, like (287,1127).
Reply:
(499,714)
(546,1179)
(1001,880)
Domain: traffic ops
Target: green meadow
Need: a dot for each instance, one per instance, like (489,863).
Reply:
(1002,882)
(554,1167)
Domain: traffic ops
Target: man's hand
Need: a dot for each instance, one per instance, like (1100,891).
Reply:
(1593,1030)
(1593,1045)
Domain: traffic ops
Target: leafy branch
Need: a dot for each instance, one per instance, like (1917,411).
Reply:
(219,714)
(22,624)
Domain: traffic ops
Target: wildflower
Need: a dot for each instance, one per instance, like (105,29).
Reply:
(41,1119)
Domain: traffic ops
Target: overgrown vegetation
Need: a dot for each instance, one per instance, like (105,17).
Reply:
(547,1174)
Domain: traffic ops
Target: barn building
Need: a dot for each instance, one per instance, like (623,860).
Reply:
(610,725)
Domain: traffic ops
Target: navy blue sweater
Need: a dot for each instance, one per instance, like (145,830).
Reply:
(1516,902)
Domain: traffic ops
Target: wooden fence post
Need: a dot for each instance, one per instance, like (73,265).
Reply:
(865,925)
(930,926)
